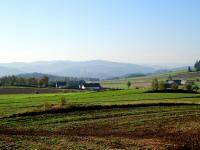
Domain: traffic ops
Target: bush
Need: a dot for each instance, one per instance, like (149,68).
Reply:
(46,106)
(175,86)
(195,88)
(188,87)
(62,101)
(162,86)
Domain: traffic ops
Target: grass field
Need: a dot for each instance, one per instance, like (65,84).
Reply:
(132,126)
(12,104)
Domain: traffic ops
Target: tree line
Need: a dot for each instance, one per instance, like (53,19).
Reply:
(21,81)
(195,68)
(197,65)
(43,81)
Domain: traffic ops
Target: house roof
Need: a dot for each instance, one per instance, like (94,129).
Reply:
(92,85)
(174,81)
(61,83)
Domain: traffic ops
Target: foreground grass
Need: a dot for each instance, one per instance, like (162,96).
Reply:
(163,127)
(13,104)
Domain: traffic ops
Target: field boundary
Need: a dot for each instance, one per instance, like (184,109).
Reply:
(77,108)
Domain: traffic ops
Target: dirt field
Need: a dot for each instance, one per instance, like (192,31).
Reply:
(142,85)
(32,90)
(132,128)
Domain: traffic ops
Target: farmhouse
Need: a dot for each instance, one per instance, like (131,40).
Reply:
(90,86)
(60,85)
(178,82)
(170,83)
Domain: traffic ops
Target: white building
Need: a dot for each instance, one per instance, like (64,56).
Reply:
(90,86)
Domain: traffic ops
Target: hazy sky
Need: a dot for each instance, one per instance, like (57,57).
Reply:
(136,31)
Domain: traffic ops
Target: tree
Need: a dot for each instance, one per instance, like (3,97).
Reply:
(128,84)
(32,82)
(155,84)
(21,81)
(44,81)
(12,80)
(162,86)
(197,65)
(189,69)
(170,77)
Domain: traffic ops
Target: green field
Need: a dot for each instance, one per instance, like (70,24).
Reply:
(12,104)
(129,127)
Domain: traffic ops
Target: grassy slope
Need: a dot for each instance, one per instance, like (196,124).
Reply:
(12,104)
(121,83)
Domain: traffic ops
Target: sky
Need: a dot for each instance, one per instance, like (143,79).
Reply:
(153,32)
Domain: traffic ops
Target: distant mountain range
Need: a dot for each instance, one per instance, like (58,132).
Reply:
(9,71)
(92,69)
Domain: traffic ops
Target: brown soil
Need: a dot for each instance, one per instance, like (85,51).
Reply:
(142,84)
(176,133)
(32,90)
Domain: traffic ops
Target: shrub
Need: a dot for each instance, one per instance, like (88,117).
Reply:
(188,87)
(162,86)
(175,86)
(62,101)
(155,84)
(46,106)
(195,88)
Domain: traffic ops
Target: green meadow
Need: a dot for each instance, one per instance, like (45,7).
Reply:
(19,103)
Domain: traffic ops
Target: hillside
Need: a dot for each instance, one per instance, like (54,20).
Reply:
(145,81)
(54,77)
(95,69)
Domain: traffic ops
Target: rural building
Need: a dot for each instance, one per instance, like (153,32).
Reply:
(90,86)
(60,85)
(178,82)
(183,82)
(170,83)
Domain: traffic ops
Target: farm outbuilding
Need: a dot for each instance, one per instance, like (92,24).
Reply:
(170,83)
(90,86)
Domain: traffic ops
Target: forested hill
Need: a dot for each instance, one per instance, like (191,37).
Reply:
(92,69)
